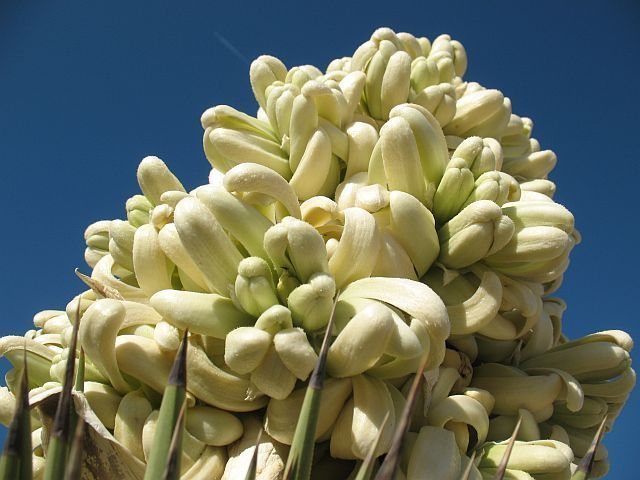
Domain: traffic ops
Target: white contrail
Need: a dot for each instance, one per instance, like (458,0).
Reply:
(231,48)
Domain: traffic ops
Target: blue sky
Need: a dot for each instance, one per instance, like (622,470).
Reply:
(87,89)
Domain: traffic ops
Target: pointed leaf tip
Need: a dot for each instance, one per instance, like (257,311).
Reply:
(586,464)
(300,458)
(65,419)
(366,468)
(502,467)
(392,459)
(178,375)
(23,413)
(170,423)
(316,380)
(467,470)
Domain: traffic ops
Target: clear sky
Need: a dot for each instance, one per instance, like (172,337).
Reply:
(87,89)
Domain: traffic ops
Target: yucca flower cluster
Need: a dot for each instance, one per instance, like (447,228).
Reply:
(388,198)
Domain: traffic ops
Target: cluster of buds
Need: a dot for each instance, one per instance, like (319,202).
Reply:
(388,200)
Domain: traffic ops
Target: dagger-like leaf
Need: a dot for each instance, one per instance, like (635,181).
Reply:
(66,417)
(301,454)
(366,467)
(502,467)
(16,458)
(73,468)
(172,469)
(586,464)
(169,415)
(251,471)
(389,466)
(467,471)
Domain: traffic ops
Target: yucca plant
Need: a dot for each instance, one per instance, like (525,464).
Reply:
(362,290)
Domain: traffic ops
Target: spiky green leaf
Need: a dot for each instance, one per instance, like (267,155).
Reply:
(300,458)
(169,415)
